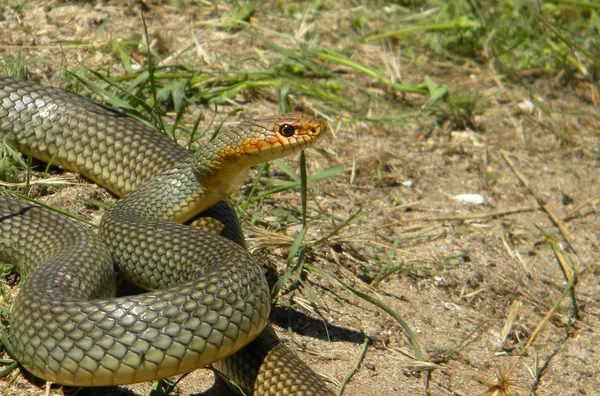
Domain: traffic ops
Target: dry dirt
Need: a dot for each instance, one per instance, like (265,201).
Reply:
(464,265)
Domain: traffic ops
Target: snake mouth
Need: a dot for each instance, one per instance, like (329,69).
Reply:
(277,146)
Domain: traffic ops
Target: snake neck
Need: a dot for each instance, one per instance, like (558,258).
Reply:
(222,165)
(216,170)
(219,176)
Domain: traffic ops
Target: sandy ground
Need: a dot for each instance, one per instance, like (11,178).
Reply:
(475,282)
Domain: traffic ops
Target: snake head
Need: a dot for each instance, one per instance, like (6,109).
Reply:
(260,140)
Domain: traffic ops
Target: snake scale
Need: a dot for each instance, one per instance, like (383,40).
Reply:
(208,301)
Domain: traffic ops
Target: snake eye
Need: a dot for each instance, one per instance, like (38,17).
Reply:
(288,130)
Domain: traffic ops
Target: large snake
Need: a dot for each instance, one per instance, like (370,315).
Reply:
(66,326)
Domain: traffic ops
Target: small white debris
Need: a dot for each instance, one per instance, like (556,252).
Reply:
(476,199)
(526,106)
(408,183)
(450,306)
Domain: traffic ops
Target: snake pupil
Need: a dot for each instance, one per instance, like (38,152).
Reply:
(288,130)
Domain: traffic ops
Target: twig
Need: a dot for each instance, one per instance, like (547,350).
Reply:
(561,227)
(515,254)
(577,208)
(50,181)
(403,206)
(477,216)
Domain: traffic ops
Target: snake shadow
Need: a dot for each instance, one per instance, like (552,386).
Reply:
(305,325)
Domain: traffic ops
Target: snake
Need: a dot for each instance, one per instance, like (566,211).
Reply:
(206,302)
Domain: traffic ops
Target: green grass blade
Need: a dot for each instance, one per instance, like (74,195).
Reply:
(49,207)
(159,119)
(407,330)
(325,174)
(288,170)
(354,368)
(462,23)
(296,251)
(336,229)
(303,188)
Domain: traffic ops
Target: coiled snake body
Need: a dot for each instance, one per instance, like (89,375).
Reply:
(213,300)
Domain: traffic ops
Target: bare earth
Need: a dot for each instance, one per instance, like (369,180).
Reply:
(463,267)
